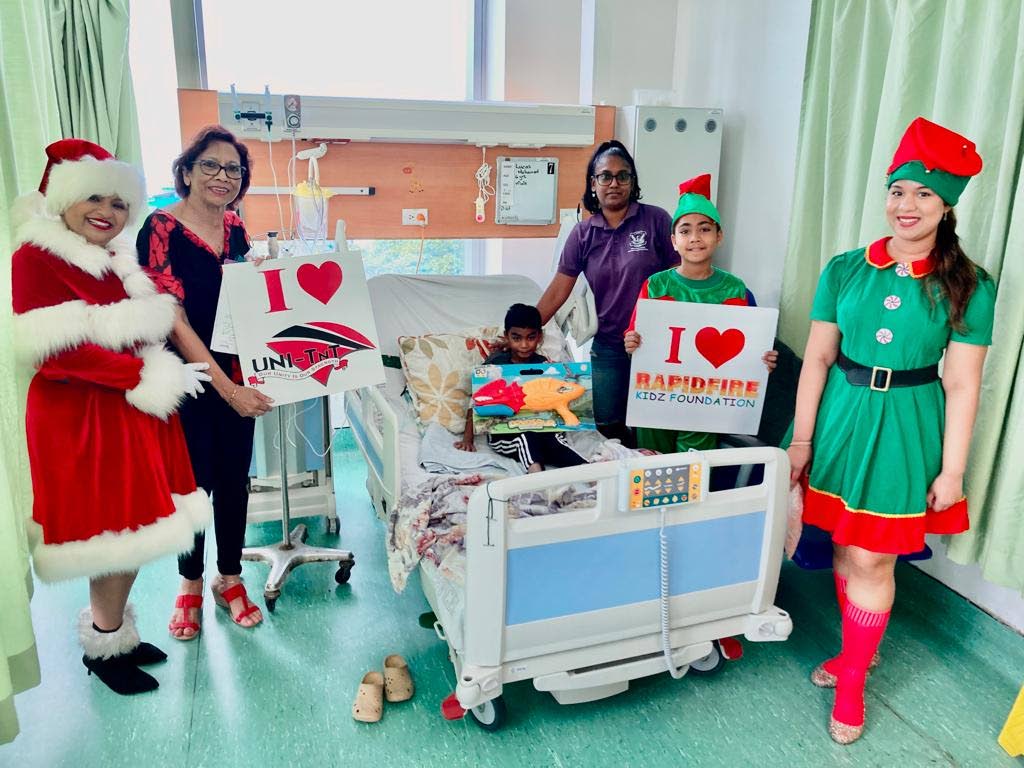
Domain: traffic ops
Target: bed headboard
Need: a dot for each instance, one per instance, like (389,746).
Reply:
(412,305)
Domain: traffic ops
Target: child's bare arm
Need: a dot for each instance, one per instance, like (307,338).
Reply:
(466,443)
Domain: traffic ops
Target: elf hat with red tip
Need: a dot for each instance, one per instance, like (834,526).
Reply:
(75,170)
(940,159)
(695,197)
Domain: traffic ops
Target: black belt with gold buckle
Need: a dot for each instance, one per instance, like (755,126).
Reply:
(883,379)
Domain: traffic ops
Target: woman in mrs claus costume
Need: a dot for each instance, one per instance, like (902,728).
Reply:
(111,477)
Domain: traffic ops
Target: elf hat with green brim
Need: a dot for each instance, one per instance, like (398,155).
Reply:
(940,159)
(695,197)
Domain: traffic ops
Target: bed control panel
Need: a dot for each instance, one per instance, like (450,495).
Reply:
(661,486)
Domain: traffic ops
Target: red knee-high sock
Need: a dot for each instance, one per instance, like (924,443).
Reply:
(832,665)
(862,632)
(840,591)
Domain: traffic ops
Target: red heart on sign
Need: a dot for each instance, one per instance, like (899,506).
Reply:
(320,282)
(719,348)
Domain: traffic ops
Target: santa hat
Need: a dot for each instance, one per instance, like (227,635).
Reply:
(936,157)
(75,170)
(695,197)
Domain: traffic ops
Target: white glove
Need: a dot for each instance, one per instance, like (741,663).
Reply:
(193,374)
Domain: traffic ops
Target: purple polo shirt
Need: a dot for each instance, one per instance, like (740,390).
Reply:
(617,261)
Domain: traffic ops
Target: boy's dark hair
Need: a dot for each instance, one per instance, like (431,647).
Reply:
(522,316)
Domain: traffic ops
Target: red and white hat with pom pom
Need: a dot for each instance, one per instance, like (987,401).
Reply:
(75,170)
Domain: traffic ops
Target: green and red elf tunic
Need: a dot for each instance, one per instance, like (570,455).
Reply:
(876,453)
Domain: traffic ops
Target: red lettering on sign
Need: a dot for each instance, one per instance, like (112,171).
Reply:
(677,335)
(275,291)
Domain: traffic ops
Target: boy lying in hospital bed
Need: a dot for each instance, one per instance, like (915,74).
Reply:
(536,451)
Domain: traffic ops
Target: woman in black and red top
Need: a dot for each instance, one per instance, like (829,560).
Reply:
(184,248)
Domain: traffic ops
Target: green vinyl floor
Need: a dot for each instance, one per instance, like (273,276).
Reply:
(280,695)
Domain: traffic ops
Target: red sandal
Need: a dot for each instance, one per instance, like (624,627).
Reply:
(186,602)
(224,598)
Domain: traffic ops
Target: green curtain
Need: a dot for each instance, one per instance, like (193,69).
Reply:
(28,122)
(873,66)
(89,45)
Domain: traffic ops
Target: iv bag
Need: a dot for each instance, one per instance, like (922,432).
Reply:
(311,211)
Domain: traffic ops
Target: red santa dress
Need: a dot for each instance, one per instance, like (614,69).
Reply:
(112,482)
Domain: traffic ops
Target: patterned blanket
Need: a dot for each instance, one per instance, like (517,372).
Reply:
(429,521)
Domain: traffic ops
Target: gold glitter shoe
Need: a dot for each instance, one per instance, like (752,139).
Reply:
(842,733)
(822,678)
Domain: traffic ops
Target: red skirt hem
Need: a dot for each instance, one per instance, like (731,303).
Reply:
(895,535)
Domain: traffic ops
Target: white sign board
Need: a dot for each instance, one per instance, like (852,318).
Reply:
(302,327)
(699,367)
(527,190)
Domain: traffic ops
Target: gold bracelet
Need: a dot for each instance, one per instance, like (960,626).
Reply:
(799,442)
(233,393)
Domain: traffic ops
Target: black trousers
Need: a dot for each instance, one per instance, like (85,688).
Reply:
(220,446)
(549,449)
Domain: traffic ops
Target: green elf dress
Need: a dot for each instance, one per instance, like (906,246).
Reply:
(720,288)
(876,453)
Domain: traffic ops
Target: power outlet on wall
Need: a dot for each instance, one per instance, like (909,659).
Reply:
(414,217)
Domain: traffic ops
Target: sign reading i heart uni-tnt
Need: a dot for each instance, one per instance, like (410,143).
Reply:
(699,367)
(303,327)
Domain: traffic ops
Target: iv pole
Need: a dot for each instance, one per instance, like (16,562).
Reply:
(292,550)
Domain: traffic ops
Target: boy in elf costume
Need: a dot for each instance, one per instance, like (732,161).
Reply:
(696,235)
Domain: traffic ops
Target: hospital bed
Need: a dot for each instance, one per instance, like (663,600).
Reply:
(624,582)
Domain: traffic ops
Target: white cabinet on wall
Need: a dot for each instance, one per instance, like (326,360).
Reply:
(671,145)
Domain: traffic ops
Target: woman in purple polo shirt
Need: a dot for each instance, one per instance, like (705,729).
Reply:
(622,244)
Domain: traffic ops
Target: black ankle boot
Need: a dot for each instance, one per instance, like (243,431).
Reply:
(145,654)
(114,655)
(120,675)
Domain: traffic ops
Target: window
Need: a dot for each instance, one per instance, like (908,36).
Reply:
(402,49)
(151,56)
(440,257)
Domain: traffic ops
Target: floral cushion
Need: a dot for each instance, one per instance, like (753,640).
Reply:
(437,370)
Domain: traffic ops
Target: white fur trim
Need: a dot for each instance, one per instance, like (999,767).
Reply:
(125,263)
(197,506)
(44,332)
(105,645)
(162,385)
(132,321)
(71,182)
(124,551)
(51,235)
(26,207)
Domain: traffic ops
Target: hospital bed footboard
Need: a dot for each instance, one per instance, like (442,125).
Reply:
(574,601)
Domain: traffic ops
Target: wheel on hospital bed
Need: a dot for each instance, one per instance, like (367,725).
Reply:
(490,715)
(343,573)
(710,664)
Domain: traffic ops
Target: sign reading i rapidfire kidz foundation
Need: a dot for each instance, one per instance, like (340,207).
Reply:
(302,327)
(699,368)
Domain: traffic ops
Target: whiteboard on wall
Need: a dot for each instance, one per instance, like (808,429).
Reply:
(527,190)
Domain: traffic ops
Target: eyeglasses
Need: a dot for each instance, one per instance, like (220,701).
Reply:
(604,178)
(212,168)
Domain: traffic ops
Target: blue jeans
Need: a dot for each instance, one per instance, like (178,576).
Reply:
(610,368)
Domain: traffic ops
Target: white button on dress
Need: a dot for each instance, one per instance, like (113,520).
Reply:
(892,302)
(883,336)
(902,270)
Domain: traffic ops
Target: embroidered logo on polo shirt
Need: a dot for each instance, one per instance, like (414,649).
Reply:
(638,241)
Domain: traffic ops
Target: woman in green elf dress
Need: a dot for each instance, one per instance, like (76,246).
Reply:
(880,441)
